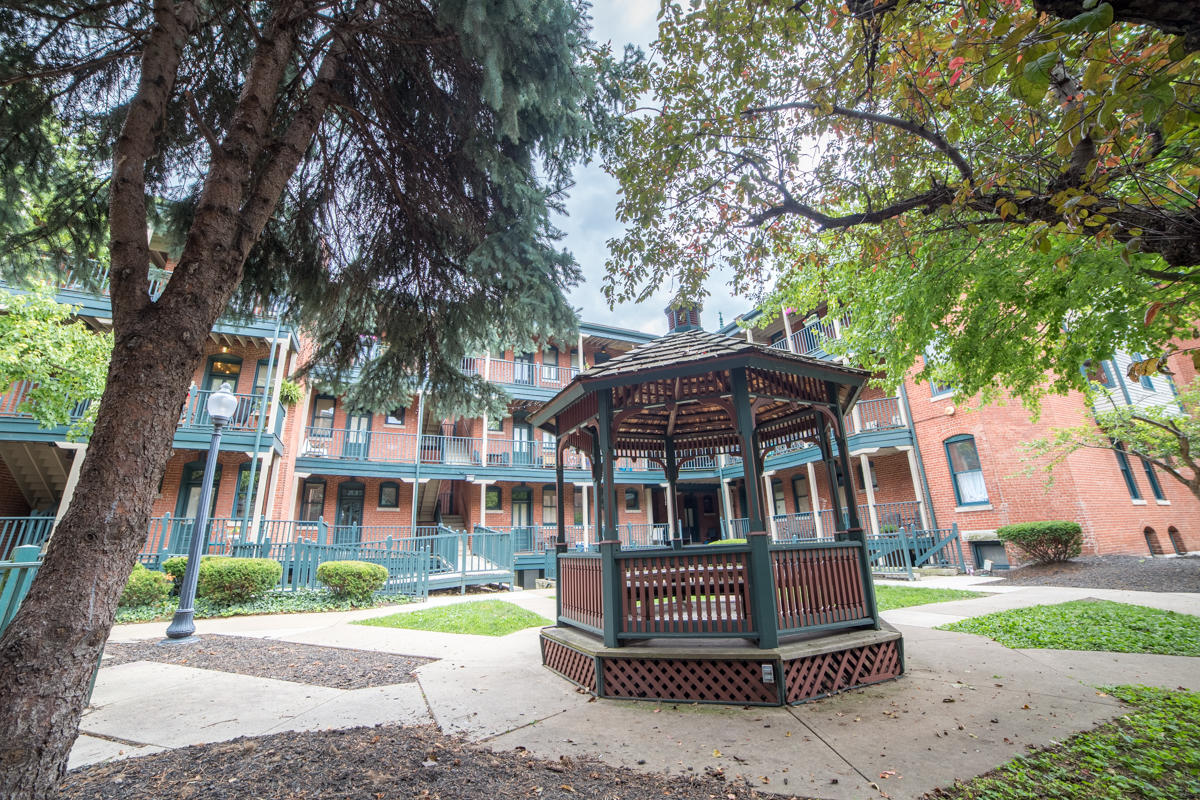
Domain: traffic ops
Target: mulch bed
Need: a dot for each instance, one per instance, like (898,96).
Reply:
(335,667)
(1143,574)
(380,763)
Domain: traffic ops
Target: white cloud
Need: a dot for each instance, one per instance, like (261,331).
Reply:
(591,219)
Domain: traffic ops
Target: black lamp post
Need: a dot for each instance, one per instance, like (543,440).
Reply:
(220,406)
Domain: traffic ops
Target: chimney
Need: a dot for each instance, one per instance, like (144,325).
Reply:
(683,315)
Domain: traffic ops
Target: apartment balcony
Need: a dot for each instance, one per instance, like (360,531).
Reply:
(248,429)
(524,379)
(88,288)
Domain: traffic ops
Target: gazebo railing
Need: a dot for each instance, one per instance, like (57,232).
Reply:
(709,592)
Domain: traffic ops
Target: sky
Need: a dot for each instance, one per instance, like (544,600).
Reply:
(591,219)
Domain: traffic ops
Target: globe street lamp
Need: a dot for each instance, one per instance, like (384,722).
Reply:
(220,406)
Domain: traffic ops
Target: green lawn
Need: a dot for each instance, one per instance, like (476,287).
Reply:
(1152,753)
(890,597)
(486,617)
(1090,625)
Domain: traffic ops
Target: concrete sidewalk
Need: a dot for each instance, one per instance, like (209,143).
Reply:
(965,705)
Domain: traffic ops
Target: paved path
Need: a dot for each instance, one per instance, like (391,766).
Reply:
(965,705)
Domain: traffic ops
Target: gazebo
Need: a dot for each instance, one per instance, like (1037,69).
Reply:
(750,621)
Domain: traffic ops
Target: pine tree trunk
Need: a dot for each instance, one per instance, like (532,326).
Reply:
(49,651)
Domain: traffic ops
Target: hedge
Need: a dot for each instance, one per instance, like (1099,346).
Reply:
(1045,542)
(144,587)
(354,580)
(226,581)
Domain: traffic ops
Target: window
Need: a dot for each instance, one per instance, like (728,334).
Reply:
(777,497)
(312,500)
(261,375)
(322,415)
(549,505)
(1152,479)
(389,494)
(223,368)
(1145,381)
(523,369)
(578,504)
(395,417)
(244,491)
(492,498)
(936,389)
(777,336)
(550,363)
(862,481)
(803,497)
(633,499)
(965,471)
(495,424)
(1099,372)
(1126,472)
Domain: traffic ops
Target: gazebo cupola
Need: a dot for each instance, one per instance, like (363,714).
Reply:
(683,315)
(751,621)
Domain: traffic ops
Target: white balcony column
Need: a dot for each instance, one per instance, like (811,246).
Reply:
(483,502)
(769,504)
(814,498)
(587,525)
(787,328)
(726,508)
(856,418)
(867,484)
(276,385)
(915,474)
(900,411)
(580,366)
(261,486)
(483,448)
(487,365)
(749,335)
(64,503)
(670,509)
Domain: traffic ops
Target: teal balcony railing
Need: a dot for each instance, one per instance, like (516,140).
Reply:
(519,372)
(251,412)
(882,413)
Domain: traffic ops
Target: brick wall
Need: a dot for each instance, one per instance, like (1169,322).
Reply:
(12,502)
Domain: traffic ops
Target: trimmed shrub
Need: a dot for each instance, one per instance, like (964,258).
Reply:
(175,566)
(145,587)
(1045,542)
(354,580)
(226,581)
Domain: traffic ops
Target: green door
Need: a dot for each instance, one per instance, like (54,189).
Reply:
(348,525)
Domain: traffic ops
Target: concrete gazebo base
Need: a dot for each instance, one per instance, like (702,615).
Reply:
(728,671)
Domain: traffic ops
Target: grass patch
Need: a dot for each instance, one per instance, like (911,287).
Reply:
(1089,625)
(889,597)
(485,617)
(298,602)
(1152,753)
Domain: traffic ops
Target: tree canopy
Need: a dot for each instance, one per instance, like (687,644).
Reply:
(64,362)
(1013,183)
(417,151)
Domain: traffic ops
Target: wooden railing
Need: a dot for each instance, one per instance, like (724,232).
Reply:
(579,591)
(519,373)
(819,585)
(678,593)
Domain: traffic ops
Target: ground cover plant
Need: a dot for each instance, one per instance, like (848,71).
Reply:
(1089,625)
(295,602)
(486,618)
(889,597)
(1151,753)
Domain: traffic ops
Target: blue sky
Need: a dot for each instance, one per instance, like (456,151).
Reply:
(591,221)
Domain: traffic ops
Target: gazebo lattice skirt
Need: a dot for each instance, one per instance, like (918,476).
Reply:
(708,672)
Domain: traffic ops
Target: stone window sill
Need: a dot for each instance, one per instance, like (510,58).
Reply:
(982,507)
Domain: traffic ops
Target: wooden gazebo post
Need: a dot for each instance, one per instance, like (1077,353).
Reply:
(560,543)
(761,576)
(610,544)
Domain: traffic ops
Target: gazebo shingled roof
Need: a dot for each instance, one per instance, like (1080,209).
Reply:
(680,386)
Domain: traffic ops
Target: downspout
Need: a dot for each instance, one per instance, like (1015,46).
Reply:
(268,395)
(912,426)
(417,478)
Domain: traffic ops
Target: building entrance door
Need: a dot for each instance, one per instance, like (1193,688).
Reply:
(348,525)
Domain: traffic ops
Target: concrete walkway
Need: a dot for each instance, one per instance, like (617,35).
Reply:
(965,705)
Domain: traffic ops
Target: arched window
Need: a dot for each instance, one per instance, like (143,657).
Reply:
(1176,540)
(965,471)
(1152,542)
